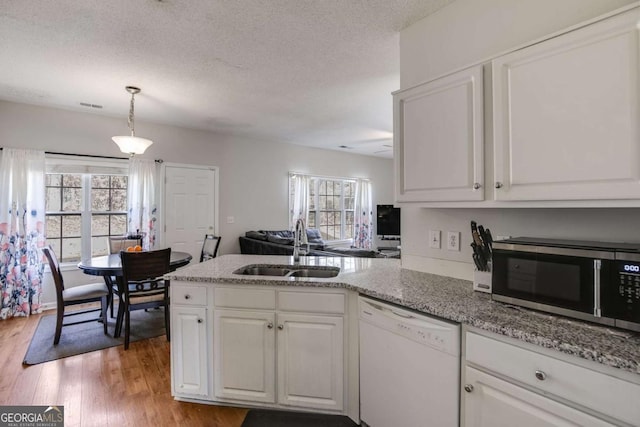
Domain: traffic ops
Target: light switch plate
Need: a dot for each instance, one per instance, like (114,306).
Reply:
(434,239)
(453,240)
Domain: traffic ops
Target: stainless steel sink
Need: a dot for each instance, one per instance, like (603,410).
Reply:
(252,270)
(319,273)
(288,271)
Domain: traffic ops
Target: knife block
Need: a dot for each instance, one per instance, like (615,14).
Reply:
(482,281)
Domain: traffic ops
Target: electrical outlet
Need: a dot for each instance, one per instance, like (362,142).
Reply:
(231,220)
(453,240)
(434,239)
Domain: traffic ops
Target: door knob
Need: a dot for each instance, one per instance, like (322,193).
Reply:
(476,186)
(199,320)
(281,327)
(270,325)
(468,388)
(498,185)
(187,296)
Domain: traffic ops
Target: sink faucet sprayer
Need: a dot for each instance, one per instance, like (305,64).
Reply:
(299,238)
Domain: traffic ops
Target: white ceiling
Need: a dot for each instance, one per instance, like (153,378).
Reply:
(313,72)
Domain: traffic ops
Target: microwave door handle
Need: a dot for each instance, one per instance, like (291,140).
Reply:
(597,312)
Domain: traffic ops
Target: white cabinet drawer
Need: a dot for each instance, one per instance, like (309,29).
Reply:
(261,299)
(189,295)
(492,402)
(594,390)
(315,302)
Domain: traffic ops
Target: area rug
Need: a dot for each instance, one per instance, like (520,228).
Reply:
(269,418)
(86,337)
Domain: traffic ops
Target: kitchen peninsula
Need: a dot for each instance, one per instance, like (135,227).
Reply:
(201,291)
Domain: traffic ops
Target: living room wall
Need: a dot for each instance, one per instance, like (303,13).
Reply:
(253,184)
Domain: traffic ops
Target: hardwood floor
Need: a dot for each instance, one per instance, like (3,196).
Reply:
(110,387)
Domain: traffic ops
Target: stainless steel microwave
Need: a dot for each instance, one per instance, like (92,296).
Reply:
(593,281)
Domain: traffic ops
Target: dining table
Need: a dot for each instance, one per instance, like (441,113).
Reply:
(111,265)
(110,268)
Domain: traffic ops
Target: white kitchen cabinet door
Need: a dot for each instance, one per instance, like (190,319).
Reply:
(566,115)
(189,350)
(492,402)
(244,355)
(438,131)
(310,361)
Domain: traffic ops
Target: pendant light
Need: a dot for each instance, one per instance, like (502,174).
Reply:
(132,144)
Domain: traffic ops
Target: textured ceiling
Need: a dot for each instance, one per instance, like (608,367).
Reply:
(311,72)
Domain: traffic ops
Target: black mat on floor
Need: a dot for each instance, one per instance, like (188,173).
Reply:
(86,337)
(270,418)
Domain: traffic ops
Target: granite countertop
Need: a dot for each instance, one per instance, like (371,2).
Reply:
(445,297)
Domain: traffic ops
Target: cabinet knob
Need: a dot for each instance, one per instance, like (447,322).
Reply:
(199,320)
(541,375)
(498,185)
(468,388)
(270,325)
(187,296)
(476,186)
(281,327)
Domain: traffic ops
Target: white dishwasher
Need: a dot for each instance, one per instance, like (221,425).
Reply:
(409,368)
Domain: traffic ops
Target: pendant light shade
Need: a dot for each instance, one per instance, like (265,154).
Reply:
(131,144)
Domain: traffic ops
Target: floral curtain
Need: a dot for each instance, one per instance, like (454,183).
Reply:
(22,216)
(300,202)
(141,198)
(363,220)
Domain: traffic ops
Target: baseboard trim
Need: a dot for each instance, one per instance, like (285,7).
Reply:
(48,306)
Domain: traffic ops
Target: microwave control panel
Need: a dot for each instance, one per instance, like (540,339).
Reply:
(627,299)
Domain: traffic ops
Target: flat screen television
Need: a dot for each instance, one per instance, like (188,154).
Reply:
(388,220)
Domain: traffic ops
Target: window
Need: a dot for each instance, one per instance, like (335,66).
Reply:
(331,206)
(83,209)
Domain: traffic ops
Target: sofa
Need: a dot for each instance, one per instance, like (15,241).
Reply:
(280,242)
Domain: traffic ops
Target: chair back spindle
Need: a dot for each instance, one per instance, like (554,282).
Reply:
(210,247)
(54,265)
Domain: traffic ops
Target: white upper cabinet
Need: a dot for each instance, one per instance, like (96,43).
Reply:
(566,116)
(438,131)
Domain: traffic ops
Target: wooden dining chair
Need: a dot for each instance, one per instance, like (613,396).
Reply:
(143,287)
(117,244)
(210,247)
(75,295)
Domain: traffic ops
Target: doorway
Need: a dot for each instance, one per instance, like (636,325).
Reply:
(190,206)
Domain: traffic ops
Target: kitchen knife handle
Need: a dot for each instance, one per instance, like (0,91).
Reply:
(476,238)
(489,237)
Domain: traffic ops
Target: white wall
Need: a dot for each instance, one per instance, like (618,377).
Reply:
(253,174)
(471,31)
(468,31)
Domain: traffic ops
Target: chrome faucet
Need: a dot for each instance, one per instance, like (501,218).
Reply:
(299,238)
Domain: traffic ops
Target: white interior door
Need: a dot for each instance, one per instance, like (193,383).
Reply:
(190,207)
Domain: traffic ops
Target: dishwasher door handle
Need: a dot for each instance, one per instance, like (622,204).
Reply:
(378,310)
(404,316)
